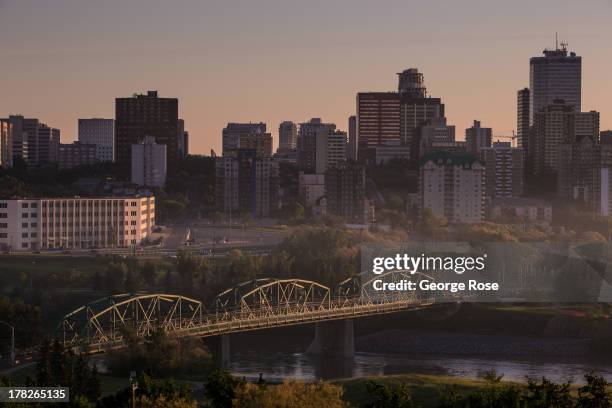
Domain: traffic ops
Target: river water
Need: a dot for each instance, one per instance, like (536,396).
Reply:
(290,361)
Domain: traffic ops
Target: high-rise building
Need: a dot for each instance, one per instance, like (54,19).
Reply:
(75,223)
(411,83)
(478,138)
(554,125)
(522,118)
(345,192)
(579,170)
(434,134)
(145,115)
(605,137)
(452,186)
(101,133)
(6,144)
(351,149)
(287,136)
(416,108)
(377,120)
(183,138)
(32,141)
(504,175)
(232,133)
(312,188)
(556,75)
(76,154)
(149,163)
(248,182)
(260,142)
(319,145)
(47,144)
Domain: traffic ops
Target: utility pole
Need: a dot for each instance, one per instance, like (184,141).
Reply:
(12,341)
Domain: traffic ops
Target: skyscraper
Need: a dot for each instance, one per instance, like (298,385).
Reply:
(145,115)
(503,170)
(313,140)
(351,150)
(557,124)
(33,141)
(287,136)
(377,118)
(101,133)
(415,107)
(522,118)
(149,163)
(6,144)
(345,192)
(183,138)
(556,75)
(477,137)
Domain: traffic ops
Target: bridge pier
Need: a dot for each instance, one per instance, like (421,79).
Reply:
(333,339)
(219,346)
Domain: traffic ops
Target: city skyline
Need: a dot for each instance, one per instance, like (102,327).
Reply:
(287,62)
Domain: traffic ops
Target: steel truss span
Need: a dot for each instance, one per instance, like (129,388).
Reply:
(109,322)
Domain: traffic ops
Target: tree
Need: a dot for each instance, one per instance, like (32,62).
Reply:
(289,394)
(594,394)
(383,396)
(221,389)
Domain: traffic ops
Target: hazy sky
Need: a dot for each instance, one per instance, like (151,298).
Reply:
(274,60)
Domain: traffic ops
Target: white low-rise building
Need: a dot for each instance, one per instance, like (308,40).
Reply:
(75,223)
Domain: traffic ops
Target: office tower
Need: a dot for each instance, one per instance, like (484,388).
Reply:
(183,139)
(6,144)
(76,154)
(261,143)
(149,163)
(415,107)
(345,192)
(32,141)
(522,119)
(605,137)
(452,186)
(47,145)
(246,182)
(232,132)
(477,137)
(315,140)
(101,133)
(145,115)
(503,170)
(75,223)
(287,136)
(351,149)
(556,75)
(388,152)
(556,124)
(377,120)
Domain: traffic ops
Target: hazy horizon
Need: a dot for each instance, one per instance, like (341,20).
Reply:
(240,61)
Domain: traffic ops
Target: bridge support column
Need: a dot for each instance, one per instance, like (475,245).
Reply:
(219,346)
(334,339)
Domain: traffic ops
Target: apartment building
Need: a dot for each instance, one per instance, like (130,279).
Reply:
(75,223)
(452,186)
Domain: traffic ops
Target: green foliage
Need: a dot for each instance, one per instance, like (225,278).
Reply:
(221,389)
(59,366)
(26,319)
(151,393)
(384,396)
(160,355)
(289,394)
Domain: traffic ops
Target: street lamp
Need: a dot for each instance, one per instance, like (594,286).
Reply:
(134,386)
(12,340)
